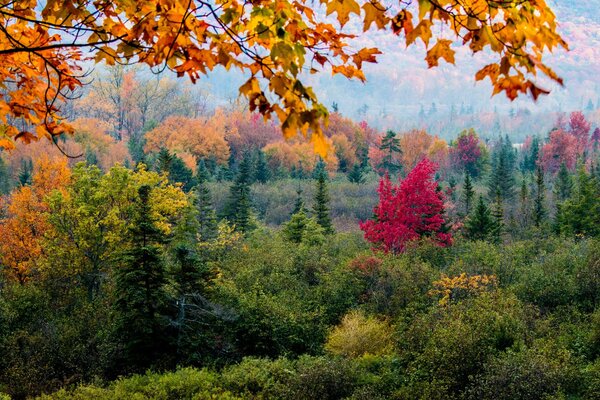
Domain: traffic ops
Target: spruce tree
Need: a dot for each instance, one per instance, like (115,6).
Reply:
(390,145)
(580,214)
(25,172)
(502,177)
(320,169)
(141,299)
(4,178)
(539,207)
(563,184)
(239,207)
(321,207)
(498,215)
(261,169)
(356,174)
(181,173)
(164,160)
(525,203)
(468,193)
(299,204)
(205,213)
(481,224)
(90,157)
(293,230)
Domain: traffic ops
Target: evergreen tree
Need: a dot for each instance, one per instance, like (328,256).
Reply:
(539,207)
(293,230)
(580,214)
(502,179)
(239,207)
(531,156)
(202,172)
(205,213)
(90,157)
(4,178)
(261,169)
(468,193)
(356,174)
(563,184)
(481,225)
(498,215)
(321,207)
(141,300)
(320,169)
(525,204)
(180,173)
(390,145)
(164,160)
(299,205)
(25,172)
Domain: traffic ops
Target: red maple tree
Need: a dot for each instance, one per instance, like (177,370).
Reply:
(411,210)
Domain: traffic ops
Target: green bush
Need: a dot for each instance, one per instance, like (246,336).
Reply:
(183,384)
(535,373)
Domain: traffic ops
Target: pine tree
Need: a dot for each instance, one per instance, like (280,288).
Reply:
(141,303)
(164,160)
(239,207)
(180,173)
(261,169)
(4,178)
(90,157)
(321,207)
(468,193)
(481,225)
(580,214)
(498,215)
(531,157)
(25,172)
(356,174)
(563,184)
(320,169)
(539,207)
(205,213)
(502,178)
(293,230)
(299,205)
(525,204)
(390,145)
(202,172)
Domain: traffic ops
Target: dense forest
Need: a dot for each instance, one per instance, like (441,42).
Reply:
(194,253)
(158,241)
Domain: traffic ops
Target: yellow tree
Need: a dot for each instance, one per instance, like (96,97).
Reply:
(43,46)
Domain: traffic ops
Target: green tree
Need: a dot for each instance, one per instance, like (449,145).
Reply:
(141,299)
(539,206)
(293,230)
(502,178)
(299,204)
(320,169)
(468,193)
(531,155)
(580,214)
(4,178)
(321,205)
(498,214)
(164,158)
(239,207)
(180,173)
(390,145)
(481,224)
(563,185)
(205,213)
(261,168)
(525,203)
(356,174)
(25,172)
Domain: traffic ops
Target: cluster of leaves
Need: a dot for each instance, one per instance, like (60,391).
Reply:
(44,46)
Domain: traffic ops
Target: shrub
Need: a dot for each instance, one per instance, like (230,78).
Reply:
(358,335)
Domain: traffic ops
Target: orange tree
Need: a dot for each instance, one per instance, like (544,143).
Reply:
(45,44)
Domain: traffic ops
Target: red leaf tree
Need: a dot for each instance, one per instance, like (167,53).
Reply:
(411,210)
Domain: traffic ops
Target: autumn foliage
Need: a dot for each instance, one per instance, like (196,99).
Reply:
(409,211)
(43,47)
